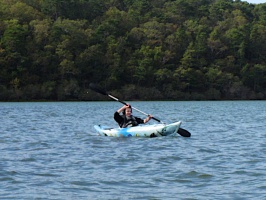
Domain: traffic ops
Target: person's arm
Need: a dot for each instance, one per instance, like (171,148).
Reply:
(147,119)
(118,117)
(123,108)
(143,121)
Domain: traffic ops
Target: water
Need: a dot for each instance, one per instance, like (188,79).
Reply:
(51,151)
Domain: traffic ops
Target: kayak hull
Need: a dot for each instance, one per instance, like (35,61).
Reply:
(156,130)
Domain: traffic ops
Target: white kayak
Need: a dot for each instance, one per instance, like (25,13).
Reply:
(156,130)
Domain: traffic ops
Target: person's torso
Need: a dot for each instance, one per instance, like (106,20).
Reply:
(129,122)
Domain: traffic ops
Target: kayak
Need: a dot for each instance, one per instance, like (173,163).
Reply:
(156,130)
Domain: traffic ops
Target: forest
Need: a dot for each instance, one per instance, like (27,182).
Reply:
(51,50)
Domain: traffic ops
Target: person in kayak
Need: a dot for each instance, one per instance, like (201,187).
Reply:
(127,119)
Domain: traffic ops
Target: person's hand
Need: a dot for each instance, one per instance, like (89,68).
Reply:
(123,108)
(126,106)
(147,119)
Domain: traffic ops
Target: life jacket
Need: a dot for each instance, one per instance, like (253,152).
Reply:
(128,122)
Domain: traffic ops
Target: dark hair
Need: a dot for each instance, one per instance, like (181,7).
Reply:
(124,111)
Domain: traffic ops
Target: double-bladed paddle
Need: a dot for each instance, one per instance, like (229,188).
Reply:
(96,88)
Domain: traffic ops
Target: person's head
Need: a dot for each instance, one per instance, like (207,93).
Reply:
(127,111)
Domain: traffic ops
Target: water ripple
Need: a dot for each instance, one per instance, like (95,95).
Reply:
(51,151)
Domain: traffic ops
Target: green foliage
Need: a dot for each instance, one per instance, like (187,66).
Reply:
(138,49)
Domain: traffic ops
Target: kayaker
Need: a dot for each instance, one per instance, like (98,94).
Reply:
(127,119)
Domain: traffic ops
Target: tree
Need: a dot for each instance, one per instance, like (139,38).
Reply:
(257,47)
(13,50)
(255,76)
(24,13)
(181,49)
(72,42)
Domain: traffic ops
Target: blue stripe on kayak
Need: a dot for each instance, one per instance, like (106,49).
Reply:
(124,132)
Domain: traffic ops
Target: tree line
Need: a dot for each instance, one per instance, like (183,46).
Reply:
(135,49)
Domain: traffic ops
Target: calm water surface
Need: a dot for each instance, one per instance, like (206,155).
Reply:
(51,151)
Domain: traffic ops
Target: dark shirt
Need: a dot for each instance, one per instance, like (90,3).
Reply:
(124,122)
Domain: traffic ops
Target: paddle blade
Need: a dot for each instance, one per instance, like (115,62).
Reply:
(97,89)
(183,132)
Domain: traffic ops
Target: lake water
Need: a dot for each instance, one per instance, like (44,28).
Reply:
(51,151)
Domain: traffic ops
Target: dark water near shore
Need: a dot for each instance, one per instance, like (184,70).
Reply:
(51,151)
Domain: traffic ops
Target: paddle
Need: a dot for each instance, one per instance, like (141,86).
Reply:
(94,87)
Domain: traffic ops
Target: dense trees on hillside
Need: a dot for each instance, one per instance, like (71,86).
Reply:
(137,49)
